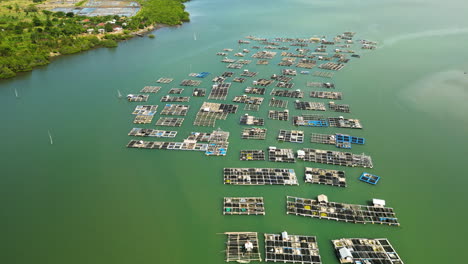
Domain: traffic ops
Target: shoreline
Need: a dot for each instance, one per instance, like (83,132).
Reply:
(152,19)
(139,33)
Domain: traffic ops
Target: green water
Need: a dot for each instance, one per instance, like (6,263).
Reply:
(88,199)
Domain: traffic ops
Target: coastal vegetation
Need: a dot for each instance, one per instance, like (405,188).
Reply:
(30,36)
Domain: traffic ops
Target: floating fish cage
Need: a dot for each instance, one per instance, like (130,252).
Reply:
(352,213)
(259,176)
(366,250)
(243,206)
(369,178)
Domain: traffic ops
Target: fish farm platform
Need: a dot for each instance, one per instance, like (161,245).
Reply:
(254,133)
(217,143)
(145,110)
(219,91)
(327,85)
(242,247)
(210,112)
(144,132)
(252,155)
(170,122)
(294,136)
(286,93)
(255,90)
(176,90)
(281,155)
(175,109)
(199,92)
(164,80)
(344,108)
(179,99)
(288,248)
(137,97)
(327,95)
(301,105)
(366,251)
(335,157)
(259,176)
(243,206)
(251,120)
(244,99)
(320,121)
(324,176)
(278,103)
(353,213)
(278,115)
(150,89)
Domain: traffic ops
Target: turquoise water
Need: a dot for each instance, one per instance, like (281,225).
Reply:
(88,199)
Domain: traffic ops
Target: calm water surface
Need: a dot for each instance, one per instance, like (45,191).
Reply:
(88,199)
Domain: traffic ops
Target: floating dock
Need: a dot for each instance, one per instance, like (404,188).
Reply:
(335,157)
(242,247)
(289,248)
(254,133)
(324,176)
(294,136)
(353,213)
(144,132)
(366,250)
(279,115)
(259,176)
(281,155)
(243,206)
(252,155)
